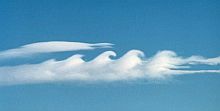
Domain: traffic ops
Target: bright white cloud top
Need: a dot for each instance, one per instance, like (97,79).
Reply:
(49,47)
(131,66)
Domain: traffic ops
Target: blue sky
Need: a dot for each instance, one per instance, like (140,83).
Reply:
(185,27)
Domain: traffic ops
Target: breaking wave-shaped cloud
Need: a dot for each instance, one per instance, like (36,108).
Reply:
(131,66)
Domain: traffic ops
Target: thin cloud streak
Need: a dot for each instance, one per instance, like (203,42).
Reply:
(50,47)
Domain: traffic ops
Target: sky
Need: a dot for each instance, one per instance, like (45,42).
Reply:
(109,55)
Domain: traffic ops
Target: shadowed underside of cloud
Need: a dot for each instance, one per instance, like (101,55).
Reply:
(49,47)
(131,66)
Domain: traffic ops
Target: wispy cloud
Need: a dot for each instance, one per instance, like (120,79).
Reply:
(131,66)
(49,47)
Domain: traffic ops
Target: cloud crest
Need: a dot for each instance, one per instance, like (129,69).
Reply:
(50,47)
(131,66)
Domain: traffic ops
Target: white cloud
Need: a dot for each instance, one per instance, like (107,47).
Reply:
(49,47)
(132,66)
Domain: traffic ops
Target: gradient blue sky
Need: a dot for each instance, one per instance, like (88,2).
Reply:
(188,27)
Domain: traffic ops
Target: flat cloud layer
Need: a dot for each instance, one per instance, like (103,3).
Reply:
(131,66)
(49,47)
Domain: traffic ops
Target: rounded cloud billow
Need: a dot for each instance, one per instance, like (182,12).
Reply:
(131,66)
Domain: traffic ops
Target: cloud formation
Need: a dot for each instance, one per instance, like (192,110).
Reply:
(131,66)
(49,47)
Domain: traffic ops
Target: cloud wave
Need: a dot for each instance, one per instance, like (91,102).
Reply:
(131,66)
(49,47)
